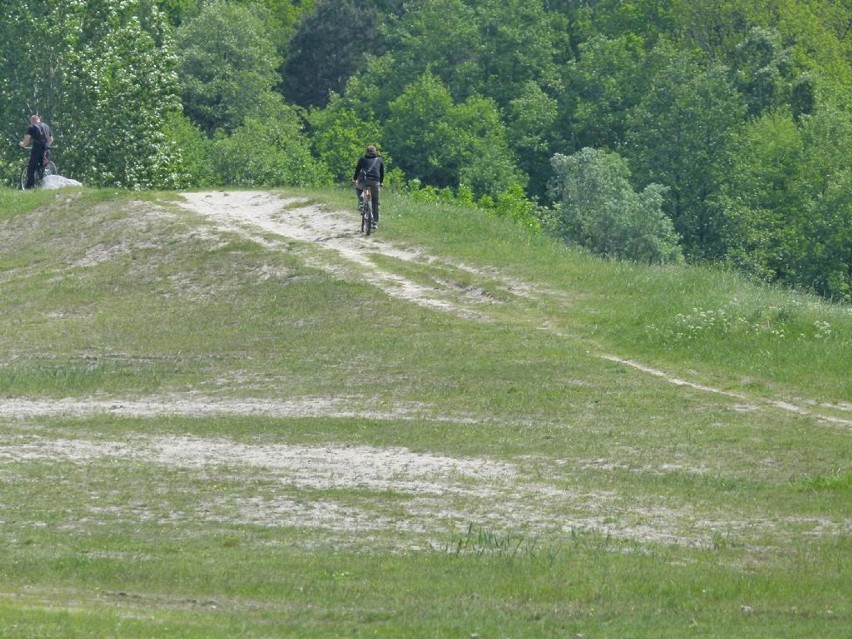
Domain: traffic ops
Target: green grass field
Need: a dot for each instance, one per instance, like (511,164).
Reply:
(454,428)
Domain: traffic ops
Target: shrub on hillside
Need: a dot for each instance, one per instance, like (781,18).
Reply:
(597,208)
(268,151)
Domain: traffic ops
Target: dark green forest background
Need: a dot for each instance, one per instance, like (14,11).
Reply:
(653,130)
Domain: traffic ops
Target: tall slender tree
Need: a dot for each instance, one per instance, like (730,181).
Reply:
(678,137)
(330,45)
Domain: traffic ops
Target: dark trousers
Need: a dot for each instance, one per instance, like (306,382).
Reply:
(36,165)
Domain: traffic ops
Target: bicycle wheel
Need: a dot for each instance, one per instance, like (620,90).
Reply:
(366,224)
(49,169)
(368,216)
(24,179)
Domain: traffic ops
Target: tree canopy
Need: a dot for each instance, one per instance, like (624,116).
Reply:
(103,75)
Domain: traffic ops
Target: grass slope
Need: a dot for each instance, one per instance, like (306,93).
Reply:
(203,435)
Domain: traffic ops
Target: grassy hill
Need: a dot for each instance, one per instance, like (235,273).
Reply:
(212,427)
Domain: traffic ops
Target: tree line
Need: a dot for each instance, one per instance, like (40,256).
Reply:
(656,130)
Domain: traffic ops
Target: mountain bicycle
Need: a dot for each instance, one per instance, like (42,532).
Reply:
(47,168)
(365,207)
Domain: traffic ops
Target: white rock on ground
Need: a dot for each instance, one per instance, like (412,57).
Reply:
(58,182)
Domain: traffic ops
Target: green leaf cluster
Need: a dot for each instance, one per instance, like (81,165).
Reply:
(599,209)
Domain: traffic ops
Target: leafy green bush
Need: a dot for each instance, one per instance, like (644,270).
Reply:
(598,209)
(268,151)
(195,151)
(511,204)
(339,136)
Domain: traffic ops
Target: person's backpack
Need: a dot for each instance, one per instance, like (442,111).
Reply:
(362,174)
(42,136)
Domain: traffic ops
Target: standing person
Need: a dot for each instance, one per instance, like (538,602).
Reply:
(370,174)
(39,135)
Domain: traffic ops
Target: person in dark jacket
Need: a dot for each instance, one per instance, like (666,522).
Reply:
(39,135)
(370,174)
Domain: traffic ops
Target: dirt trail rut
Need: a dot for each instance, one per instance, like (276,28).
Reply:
(257,215)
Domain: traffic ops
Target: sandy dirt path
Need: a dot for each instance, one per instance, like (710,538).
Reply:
(260,215)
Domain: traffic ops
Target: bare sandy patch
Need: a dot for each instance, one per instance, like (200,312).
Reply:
(193,405)
(408,499)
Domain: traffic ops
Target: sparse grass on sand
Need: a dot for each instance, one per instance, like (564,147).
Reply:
(453,429)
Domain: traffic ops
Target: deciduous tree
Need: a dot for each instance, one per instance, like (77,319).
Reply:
(605,82)
(531,119)
(787,203)
(330,45)
(102,74)
(597,208)
(446,144)
(339,136)
(227,62)
(268,149)
(677,137)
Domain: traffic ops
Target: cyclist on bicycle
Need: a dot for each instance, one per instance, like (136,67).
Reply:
(370,174)
(39,135)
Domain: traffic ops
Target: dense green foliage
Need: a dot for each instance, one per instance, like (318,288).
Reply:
(739,111)
(227,65)
(102,74)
